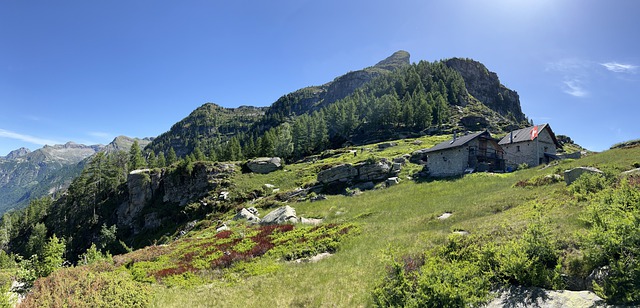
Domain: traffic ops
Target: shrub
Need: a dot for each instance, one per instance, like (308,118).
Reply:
(523,166)
(83,287)
(587,184)
(613,240)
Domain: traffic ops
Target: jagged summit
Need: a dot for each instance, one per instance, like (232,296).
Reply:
(397,59)
(485,86)
(17,153)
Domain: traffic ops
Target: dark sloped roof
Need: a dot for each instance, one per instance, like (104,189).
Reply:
(524,134)
(460,141)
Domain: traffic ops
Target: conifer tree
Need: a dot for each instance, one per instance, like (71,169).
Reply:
(135,157)
(161,161)
(171,157)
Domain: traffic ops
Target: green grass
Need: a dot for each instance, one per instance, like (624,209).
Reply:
(401,219)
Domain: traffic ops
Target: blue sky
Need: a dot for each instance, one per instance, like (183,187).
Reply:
(87,71)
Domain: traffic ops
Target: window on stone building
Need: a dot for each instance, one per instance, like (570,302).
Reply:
(517,148)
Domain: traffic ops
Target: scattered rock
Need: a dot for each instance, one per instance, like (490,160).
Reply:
(224,195)
(313,259)
(224,227)
(400,160)
(392,181)
(553,178)
(385,145)
(253,210)
(269,186)
(571,175)
(310,221)
(461,232)
(247,215)
(319,197)
(445,215)
(284,214)
(264,165)
(417,142)
(631,172)
(599,275)
(517,296)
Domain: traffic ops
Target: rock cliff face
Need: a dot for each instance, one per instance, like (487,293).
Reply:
(152,191)
(485,86)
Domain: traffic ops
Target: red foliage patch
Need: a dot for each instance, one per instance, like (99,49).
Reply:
(181,269)
(224,234)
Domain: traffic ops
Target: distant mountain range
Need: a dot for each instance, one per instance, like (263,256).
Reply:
(25,175)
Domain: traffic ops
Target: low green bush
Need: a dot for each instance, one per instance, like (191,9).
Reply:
(613,241)
(462,271)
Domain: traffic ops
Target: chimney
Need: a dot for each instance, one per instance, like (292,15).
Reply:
(511,137)
(455,136)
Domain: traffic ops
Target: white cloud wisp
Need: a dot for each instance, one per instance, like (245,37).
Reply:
(26,138)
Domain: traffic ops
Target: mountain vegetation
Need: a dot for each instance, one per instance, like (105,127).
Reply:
(389,100)
(157,225)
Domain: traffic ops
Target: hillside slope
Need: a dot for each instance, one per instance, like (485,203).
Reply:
(490,214)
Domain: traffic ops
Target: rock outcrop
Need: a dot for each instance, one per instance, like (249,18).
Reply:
(517,296)
(284,214)
(264,164)
(572,175)
(159,186)
(485,86)
(366,172)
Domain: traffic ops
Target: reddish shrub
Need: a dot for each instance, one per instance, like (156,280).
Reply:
(224,234)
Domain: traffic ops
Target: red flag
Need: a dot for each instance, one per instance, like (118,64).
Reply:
(534,132)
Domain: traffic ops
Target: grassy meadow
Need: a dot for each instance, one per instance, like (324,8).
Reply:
(365,232)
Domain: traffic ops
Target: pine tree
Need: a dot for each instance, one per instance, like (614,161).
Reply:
(152,161)
(135,157)
(171,157)
(162,161)
(283,146)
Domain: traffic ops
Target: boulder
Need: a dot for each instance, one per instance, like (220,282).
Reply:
(392,181)
(419,157)
(284,214)
(571,175)
(310,221)
(364,186)
(400,160)
(517,296)
(342,173)
(385,145)
(375,171)
(247,215)
(631,172)
(264,164)
(319,197)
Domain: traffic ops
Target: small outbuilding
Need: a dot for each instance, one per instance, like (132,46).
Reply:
(533,145)
(464,154)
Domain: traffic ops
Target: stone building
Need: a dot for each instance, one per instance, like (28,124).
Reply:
(464,154)
(532,145)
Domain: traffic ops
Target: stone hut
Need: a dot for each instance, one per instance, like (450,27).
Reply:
(464,154)
(532,145)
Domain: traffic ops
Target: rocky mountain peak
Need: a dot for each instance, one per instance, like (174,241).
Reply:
(397,59)
(485,86)
(17,153)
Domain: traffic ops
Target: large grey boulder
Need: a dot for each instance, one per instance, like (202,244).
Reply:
(284,214)
(522,297)
(339,173)
(248,215)
(374,172)
(571,175)
(264,164)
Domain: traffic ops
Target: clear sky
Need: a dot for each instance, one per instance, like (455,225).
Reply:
(87,71)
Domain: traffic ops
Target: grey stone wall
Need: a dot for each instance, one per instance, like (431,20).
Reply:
(450,162)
